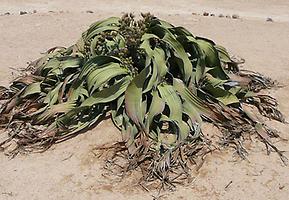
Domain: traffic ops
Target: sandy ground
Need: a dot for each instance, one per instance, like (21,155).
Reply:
(70,170)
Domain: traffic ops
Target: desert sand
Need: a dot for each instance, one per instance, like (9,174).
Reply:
(70,170)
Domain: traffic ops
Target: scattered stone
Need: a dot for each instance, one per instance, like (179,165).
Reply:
(193,13)
(23,13)
(228,16)
(221,15)
(7,13)
(34,11)
(281,187)
(89,11)
(205,14)
(212,14)
(269,19)
(235,16)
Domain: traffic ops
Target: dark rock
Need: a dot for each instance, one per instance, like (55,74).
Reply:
(34,11)
(212,14)
(221,15)
(228,16)
(235,16)
(7,13)
(89,11)
(269,19)
(23,12)
(205,14)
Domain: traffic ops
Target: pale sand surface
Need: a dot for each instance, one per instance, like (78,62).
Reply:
(70,171)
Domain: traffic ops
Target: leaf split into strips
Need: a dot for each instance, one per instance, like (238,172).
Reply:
(158,82)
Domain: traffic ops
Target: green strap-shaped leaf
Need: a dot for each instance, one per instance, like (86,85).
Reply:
(157,56)
(159,68)
(215,87)
(96,61)
(100,26)
(157,106)
(129,133)
(182,127)
(222,95)
(166,36)
(33,88)
(171,98)
(192,112)
(201,60)
(67,122)
(108,94)
(77,92)
(51,64)
(52,110)
(190,97)
(165,24)
(180,31)
(212,58)
(223,54)
(93,44)
(159,60)
(133,97)
(117,119)
(52,95)
(186,65)
(70,62)
(152,79)
(101,23)
(214,81)
(102,74)
(145,45)
(100,30)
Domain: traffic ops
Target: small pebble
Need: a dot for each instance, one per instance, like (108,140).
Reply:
(7,13)
(221,15)
(205,14)
(89,11)
(23,13)
(212,14)
(235,16)
(193,13)
(281,187)
(228,16)
(34,11)
(269,19)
